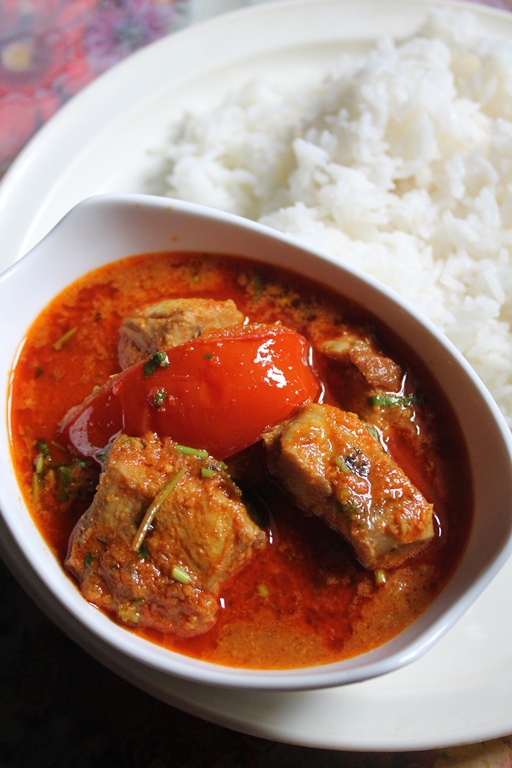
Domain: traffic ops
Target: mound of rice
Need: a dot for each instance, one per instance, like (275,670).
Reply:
(398,161)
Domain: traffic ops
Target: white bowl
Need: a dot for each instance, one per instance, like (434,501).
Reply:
(108,227)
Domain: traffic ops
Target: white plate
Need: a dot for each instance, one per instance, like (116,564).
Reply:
(461,691)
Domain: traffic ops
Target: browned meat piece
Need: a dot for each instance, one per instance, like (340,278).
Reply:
(361,350)
(200,536)
(169,323)
(332,465)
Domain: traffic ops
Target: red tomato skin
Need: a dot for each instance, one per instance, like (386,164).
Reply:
(233,390)
(218,392)
(89,426)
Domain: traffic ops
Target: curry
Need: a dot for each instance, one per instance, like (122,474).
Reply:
(236,462)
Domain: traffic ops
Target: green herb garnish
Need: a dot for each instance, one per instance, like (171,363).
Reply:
(179,574)
(403,401)
(64,478)
(159,398)
(156,361)
(42,447)
(372,430)
(60,447)
(212,467)
(186,450)
(65,337)
(154,507)
(338,460)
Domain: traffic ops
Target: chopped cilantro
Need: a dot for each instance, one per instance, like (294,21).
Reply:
(65,337)
(179,574)
(143,552)
(372,430)
(158,360)
(403,401)
(338,460)
(159,398)
(186,450)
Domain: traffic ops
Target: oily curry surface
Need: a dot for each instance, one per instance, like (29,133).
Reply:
(305,576)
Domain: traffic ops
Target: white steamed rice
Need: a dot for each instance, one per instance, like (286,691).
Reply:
(399,161)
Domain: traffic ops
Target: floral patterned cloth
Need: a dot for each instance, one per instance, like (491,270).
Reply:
(87,717)
(50,49)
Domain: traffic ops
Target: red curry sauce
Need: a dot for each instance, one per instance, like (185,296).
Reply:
(304,600)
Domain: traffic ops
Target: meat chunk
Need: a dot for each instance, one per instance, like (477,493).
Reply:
(361,350)
(201,535)
(334,467)
(169,323)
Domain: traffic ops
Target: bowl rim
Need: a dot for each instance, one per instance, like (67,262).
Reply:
(409,645)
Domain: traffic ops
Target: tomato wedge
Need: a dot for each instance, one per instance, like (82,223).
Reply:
(218,392)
